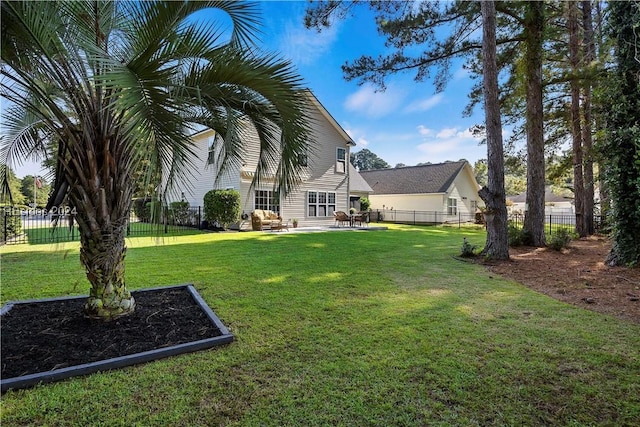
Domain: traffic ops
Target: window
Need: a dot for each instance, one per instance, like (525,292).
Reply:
(211,157)
(264,200)
(321,203)
(303,159)
(341,160)
(474,206)
(452,207)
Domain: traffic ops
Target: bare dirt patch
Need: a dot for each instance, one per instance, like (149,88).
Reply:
(577,275)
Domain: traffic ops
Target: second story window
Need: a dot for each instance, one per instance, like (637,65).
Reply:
(341,160)
(211,156)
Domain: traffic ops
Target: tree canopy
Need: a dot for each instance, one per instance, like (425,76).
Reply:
(115,85)
(365,159)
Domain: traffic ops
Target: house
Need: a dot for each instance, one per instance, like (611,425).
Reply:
(555,204)
(328,182)
(447,189)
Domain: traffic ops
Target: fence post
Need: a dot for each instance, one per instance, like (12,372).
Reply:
(166,225)
(414,217)
(6,229)
(199,219)
(550,225)
(459,220)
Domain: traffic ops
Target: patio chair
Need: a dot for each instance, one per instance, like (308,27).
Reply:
(341,218)
(360,218)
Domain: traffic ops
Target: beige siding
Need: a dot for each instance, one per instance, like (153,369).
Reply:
(319,175)
(408,202)
(463,189)
(202,177)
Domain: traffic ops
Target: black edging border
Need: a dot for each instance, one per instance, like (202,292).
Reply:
(30,380)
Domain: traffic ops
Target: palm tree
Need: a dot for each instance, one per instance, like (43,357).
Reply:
(115,84)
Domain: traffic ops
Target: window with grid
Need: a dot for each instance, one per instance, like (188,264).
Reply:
(321,203)
(264,200)
(341,160)
(211,157)
(452,206)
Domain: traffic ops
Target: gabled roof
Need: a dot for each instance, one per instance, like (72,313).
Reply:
(436,178)
(357,182)
(549,197)
(199,129)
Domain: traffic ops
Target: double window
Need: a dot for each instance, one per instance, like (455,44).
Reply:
(264,200)
(452,206)
(321,203)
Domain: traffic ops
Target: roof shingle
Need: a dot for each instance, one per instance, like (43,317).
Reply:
(434,178)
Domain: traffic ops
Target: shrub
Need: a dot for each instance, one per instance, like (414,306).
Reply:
(179,213)
(147,209)
(10,224)
(365,204)
(222,206)
(560,239)
(468,250)
(516,236)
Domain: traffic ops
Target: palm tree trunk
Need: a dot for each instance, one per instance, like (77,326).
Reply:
(102,255)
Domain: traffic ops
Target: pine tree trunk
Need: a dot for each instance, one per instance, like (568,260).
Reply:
(534,215)
(576,126)
(493,195)
(587,139)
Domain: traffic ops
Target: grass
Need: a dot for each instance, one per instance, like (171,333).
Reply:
(62,233)
(378,328)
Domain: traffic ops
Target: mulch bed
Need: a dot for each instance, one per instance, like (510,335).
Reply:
(577,275)
(39,337)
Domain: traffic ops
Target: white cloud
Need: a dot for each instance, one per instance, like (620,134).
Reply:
(358,137)
(424,131)
(303,46)
(461,74)
(374,104)
(424,104)
(450,144)
(447,133)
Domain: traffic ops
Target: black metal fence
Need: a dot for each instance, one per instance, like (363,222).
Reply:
(425,217)
(552,222)
(36,226)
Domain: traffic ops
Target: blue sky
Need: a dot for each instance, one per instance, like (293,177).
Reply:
(408,123)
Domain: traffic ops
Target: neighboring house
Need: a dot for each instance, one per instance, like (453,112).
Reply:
(450,189)
(554,204)
(358,188)
(326,179)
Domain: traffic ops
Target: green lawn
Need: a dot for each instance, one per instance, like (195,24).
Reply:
(62,232)
(380,328)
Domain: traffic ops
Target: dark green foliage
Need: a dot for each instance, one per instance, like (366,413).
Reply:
(560,239)
(222,206)
(621,145)
(468,250)
(365,204)
(179,213)
(10,224)
(147,209)
(365,160)
(516,236)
